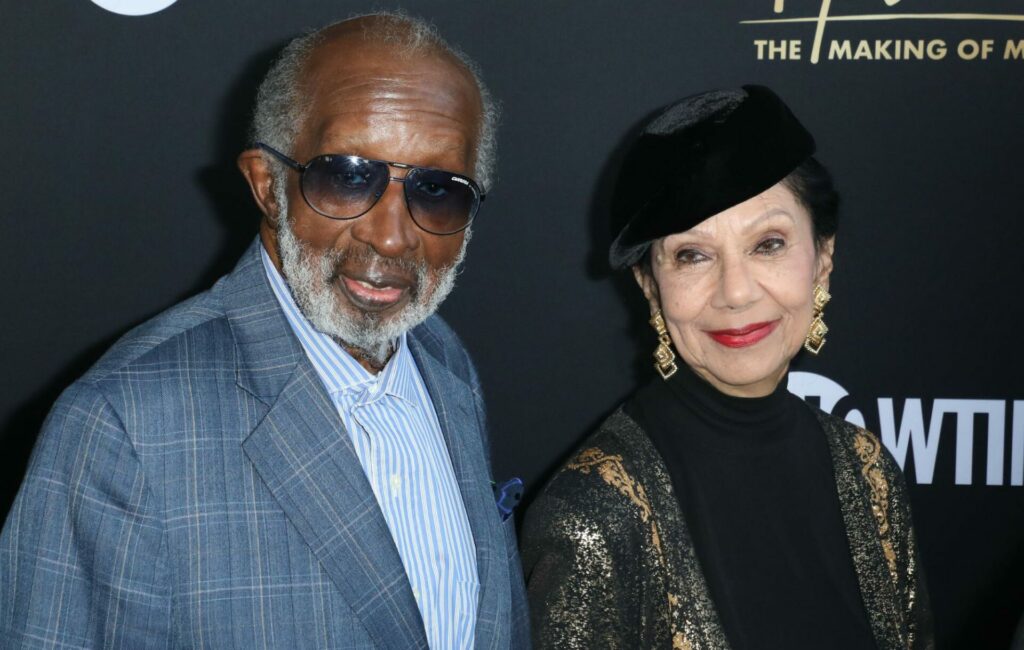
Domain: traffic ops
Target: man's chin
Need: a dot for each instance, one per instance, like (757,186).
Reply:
(364,335)
(367,326)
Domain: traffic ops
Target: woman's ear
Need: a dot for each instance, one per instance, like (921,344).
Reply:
(646,282)
(824,262)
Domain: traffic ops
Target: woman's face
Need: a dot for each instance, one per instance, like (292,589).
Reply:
(736,290)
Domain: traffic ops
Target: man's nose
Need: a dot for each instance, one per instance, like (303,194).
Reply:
(387,227)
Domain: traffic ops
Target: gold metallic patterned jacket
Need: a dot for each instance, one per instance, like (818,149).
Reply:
(610,563)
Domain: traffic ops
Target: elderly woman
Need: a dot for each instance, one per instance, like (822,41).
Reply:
(714,509)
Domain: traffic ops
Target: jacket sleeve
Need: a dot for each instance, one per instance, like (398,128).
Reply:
(81,553)
(584,590)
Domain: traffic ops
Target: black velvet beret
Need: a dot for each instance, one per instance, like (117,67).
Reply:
(698,157)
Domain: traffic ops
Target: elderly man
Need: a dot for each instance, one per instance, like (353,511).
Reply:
(297,457)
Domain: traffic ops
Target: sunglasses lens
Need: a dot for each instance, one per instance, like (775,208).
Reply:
(440,202)
(343,187)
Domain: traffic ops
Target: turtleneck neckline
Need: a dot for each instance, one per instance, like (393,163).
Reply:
(733,423)
(755,485)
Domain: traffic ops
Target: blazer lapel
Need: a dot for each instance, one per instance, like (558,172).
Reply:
(854,462)
(306,459)
(453,401)
(693,616)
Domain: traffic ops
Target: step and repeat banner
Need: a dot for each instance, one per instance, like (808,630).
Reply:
(122,120)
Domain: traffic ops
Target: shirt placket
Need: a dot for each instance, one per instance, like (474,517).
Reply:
(369,443)
(389,484)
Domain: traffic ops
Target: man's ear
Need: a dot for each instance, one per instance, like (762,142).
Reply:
(256,169)
(824,262)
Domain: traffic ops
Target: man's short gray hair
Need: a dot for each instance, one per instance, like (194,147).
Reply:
(281,108)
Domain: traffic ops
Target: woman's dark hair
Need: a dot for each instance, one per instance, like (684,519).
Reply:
(812,185)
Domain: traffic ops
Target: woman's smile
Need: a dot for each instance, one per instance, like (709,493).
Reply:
(745,336)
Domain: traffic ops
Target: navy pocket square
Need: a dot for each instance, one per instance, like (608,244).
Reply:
(507,495)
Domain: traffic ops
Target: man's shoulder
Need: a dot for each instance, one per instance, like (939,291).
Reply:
(136,382)
(185,330)
(440,341)
(436,334)
(196,330)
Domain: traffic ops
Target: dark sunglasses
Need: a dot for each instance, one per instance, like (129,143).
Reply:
(340,186)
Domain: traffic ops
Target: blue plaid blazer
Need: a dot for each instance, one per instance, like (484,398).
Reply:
(196,489)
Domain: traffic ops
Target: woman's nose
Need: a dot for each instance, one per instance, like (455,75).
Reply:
(738,286)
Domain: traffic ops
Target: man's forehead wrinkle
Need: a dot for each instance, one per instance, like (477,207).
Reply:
(347,58)
(332,135)
(369,130)
(394,110)
(426,82)
(401,89)
(352,110)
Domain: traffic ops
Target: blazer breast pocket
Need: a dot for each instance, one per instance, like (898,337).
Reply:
(507,496)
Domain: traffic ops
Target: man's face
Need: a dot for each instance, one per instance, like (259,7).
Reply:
(366,280)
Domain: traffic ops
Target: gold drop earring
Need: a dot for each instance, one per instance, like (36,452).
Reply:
(664,357)
(816,335)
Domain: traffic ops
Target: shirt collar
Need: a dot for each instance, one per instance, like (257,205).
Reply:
(338,370)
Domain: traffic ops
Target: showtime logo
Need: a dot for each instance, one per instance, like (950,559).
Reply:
(134,7)
(910,434)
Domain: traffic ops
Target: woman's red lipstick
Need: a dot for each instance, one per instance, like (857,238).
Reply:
(742,337)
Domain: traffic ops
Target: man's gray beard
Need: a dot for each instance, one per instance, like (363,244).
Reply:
(310,277)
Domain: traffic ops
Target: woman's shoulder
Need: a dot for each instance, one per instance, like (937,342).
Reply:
(618,435)
(603,476)
(618,446)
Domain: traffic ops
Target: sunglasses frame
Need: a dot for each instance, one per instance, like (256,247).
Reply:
(301,169)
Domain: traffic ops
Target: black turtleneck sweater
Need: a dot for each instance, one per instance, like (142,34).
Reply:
(755,482)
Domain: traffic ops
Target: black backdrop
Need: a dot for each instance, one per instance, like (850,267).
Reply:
(120,197)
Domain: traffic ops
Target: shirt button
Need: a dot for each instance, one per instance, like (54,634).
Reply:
(396,484)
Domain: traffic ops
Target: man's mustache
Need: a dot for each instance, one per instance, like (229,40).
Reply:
(364,263)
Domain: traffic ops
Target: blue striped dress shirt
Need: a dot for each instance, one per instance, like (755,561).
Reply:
(391,421)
